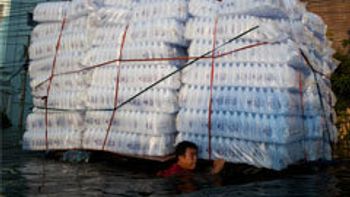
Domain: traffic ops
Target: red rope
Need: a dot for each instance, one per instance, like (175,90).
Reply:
(58,45)
(211,88)
(116,88)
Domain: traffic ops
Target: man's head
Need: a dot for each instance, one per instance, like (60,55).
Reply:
(186,155)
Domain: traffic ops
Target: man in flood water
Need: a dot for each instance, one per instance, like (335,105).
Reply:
(186,155)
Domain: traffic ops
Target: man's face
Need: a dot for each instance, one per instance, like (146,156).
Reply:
(189,159)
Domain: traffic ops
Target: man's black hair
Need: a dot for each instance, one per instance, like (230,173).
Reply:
(182,146)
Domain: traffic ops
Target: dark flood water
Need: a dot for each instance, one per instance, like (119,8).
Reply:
(31,174)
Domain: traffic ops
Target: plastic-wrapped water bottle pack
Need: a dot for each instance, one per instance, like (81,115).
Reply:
(136,75)
(103,98)
(243,74)
(75,42)
(312,101)
(242,125)
(323,63)
(59,83)
(57,139)
(40,80)
(79,8)
(316,127)
(51,11)
(259,154)
(261,8)
(108,35)
(316,148)
(59,99)
(283,53)
(65,62)
(257,99)
(110,16)
(148,10)
(269,29)
(143,122)
(132,132)
(247,99)
(129,143)
(52,30)
(128,4)
(162,30)
(56,120)
(315,24)
(139,51)
(64,130)
(73,45)
(67,92)
(57,11)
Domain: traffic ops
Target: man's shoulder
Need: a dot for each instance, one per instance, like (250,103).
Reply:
(174,169)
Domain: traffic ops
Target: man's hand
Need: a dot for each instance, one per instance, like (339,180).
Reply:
(218,165)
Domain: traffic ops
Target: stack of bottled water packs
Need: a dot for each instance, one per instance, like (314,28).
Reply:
(266,109)
(98,32)
(143,32)
(64,128)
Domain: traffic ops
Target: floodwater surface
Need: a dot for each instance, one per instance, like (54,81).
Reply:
(32,174)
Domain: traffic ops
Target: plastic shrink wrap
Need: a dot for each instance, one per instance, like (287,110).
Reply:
(95,32)
(266,106)
(61,38)
(147,30)
(266,109)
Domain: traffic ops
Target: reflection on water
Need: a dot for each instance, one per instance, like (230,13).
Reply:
(30,174)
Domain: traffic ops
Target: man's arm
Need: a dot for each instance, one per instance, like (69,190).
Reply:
(218,165)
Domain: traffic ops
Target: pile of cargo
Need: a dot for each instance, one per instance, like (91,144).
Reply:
(146,30)
(63,26)
(265,104)
(268,105)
